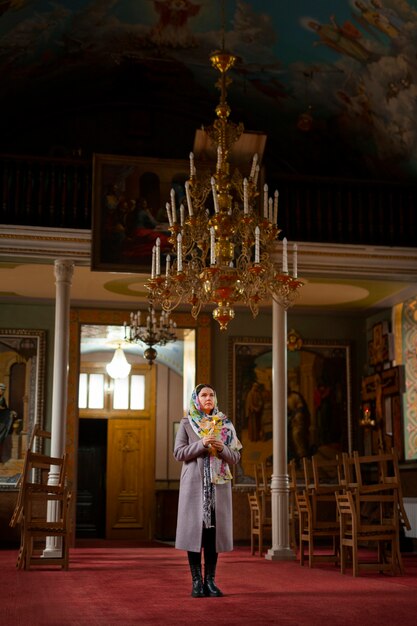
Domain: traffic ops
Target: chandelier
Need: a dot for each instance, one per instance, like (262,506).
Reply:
(119,367)
(153,332)
(223,242)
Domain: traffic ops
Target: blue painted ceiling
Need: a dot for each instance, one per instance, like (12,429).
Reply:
(333,84)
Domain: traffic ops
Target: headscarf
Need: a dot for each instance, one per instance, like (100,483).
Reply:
(215,470)
(220,425)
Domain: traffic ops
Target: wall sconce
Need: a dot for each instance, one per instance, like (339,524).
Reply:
(118,367)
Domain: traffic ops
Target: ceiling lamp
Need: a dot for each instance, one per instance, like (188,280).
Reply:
(118,366)
(223,247)
(152,333)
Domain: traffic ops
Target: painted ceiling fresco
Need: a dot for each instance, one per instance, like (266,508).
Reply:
(332,83)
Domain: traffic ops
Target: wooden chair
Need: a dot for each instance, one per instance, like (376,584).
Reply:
(38,435)
(308,474)
(347,479)
(37,528)
(292,510)
(327,474)
(261,478)
(353,532)
(34,480)
(310,529)
(263,489)
(378,495)
(259,523)
(38,439)
(384,477)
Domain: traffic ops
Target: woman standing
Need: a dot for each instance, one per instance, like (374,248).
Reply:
(207,444)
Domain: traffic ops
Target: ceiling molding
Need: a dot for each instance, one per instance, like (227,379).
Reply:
(45,244)
(314,259)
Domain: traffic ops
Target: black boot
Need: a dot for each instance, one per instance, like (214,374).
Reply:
(198,588)
(194,559)
(210,587)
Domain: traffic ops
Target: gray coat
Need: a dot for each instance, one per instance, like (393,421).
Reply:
(190,449)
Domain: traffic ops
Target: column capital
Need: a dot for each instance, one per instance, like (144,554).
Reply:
(63,270)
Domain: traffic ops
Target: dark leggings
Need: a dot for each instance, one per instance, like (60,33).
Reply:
(209,547)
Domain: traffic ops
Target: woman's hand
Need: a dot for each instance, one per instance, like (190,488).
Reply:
(211,440)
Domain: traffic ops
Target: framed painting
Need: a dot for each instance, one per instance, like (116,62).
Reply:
(318,406)
(22,379)
(128,209)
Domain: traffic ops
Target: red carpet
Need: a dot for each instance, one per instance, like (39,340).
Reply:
(120,584)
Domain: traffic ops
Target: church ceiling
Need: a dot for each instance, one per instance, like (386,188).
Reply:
(332,84)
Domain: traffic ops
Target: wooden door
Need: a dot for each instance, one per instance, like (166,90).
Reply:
(128,409)
(130,478)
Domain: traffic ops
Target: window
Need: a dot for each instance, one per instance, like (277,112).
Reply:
(91,391)
(98,392)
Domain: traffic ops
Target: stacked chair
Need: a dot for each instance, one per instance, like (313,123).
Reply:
(260,508)
(42,510)
(371,513)
(317,510)
(357,503)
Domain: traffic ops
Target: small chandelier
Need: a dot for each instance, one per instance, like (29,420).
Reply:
(223,248)
(152,333)
(119,367)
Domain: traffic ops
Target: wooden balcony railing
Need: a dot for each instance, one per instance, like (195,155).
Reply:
(58,193)
(350,212)
(45,192)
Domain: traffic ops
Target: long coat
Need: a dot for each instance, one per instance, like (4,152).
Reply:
(190,449)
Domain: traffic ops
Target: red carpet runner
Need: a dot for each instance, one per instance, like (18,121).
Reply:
(120,584)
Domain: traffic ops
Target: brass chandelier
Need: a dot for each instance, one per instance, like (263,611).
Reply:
(224,242)
(153,332)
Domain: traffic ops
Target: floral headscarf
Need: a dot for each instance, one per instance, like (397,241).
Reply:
(216,423)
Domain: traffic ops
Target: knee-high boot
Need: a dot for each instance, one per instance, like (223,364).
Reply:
(194,559)
(210,587)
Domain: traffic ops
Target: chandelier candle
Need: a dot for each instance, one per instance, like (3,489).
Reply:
(284,256)
(169,214)
(188,196)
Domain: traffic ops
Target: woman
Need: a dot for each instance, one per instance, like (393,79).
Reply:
(207,444)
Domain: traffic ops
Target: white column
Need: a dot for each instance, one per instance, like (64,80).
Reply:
(63,277)
(280,481)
